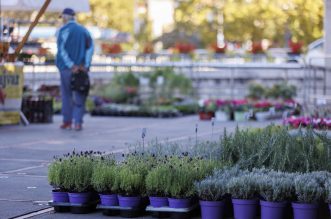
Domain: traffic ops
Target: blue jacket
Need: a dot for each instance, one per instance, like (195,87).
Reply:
(74,46)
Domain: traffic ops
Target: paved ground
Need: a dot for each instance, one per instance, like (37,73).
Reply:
(25,152)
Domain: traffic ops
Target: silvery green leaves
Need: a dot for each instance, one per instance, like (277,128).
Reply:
(244,186)
(309,187)
(275,188)
(328,191)
(214,187)
(211,189)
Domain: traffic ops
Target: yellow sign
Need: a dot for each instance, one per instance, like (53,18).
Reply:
(11,92)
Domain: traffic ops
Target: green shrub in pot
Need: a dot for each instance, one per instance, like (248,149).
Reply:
(157,181)
(130,178)
(184,171)
(56,175)
(103,177)
(77,172)
(128,182)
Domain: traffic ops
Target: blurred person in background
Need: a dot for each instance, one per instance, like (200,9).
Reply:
(75,50)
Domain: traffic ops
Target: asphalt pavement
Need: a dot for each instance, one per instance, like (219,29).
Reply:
(26,151)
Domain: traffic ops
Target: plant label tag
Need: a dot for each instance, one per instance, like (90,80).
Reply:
(196,128)
(213,121)
(143,81)
(272,110)
(250,113)
(285,114)
(143,133)
(160,80)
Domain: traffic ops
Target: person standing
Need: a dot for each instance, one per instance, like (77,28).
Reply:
(75,51)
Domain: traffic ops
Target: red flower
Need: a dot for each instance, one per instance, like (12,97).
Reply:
(263,104)
(257,48)
(218,49)
(184,48)
(111,49)
(239,102)
(296,47)
(148,48)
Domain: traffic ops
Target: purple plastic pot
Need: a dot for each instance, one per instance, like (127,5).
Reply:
(79,198)
(305,211)
(273,210)
(245,209)
(212,209)
(179,203)
(129,201)
(60,196)
(157,202)
(109,200)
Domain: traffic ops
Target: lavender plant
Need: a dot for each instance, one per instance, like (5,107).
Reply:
(244,186)
(308,188)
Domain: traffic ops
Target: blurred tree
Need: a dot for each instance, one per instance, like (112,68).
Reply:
(114,14)
(252,19)
(305,19)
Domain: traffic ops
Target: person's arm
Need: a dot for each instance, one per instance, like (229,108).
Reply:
(89,52)
(63,53)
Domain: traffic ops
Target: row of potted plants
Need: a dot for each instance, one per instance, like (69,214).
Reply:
(113,109)
(272,190)
(241,110)
(317,123)
(170,175)
(179,181)
(166,179)
(186,48)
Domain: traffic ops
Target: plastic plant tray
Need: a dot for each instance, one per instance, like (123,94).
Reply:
(168,209)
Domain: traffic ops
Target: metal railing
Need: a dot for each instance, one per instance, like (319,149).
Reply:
(210,79)
(317,82)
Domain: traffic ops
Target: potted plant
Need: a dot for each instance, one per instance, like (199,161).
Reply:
(103,179)
(184,47)
(111,48)
(77,172)
(218,49)
(183,172)
(207,110)
(243,190)
(130,185)
(262,110)
(295,47)
(275,190)
(328,193)
(257,48)
(256,91)
(223,110)
(181,189)
(240,108)
(148,48)
(157,182)
(309,192)
(56,179)
(130,180)
(211,192)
